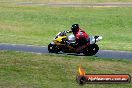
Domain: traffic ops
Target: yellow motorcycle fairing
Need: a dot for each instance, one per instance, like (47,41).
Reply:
(59,40)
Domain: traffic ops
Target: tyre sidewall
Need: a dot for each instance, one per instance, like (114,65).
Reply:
(91,50)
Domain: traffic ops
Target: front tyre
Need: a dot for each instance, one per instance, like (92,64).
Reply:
(52,48)
(91,50)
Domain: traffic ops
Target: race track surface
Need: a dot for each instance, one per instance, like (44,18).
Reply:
(43,49)
(78,4)
(64,4)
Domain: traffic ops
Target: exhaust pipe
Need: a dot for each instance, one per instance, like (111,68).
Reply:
(99,38)
(94,39)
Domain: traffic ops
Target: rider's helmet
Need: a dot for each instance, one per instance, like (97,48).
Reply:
(75,28)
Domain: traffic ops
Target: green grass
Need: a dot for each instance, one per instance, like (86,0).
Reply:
(25,70)
(38,25)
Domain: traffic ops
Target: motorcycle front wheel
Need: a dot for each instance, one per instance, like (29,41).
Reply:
(91,50)
(52,48)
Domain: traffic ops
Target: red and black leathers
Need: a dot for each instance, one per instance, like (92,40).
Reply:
(81,37)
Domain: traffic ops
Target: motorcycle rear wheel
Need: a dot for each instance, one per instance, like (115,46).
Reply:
(91,50)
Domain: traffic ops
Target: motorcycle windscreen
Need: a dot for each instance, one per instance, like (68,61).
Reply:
(71,38)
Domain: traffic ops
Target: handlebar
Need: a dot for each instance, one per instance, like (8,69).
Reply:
(67,31)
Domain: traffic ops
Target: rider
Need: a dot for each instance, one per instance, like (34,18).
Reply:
(81,36)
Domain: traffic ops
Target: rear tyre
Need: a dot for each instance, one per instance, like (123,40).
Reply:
(91,50)
(53,48)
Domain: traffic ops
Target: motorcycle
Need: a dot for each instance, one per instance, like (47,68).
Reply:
(66,44)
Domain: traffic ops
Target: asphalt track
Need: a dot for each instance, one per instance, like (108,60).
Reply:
(92,4)
(78,4)
(43,50)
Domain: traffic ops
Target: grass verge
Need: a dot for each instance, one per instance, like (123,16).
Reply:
(26,70)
